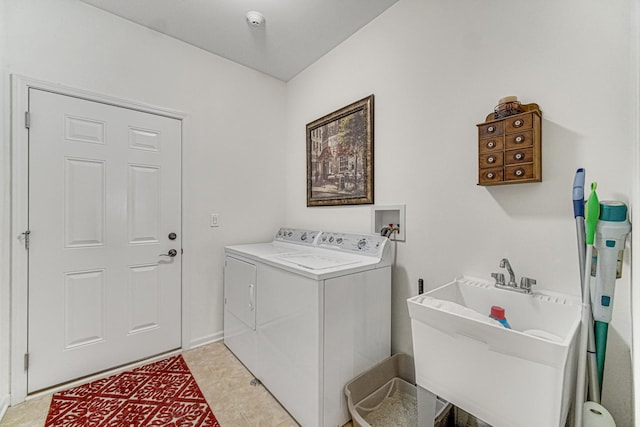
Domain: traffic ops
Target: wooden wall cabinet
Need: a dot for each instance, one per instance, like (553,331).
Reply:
(509,148)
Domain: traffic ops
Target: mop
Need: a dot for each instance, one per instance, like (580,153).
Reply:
(592,214)
(591,414)
(578,212)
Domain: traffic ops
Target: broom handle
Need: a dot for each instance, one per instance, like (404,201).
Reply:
(592,365)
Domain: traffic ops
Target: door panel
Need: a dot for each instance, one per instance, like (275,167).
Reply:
(84,202)
(83,308)
(104,194)
(144,203)
(144,294)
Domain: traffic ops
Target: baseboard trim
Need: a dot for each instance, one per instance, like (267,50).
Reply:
(209,339)
(4,405)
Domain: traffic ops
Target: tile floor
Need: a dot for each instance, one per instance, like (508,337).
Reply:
(224,381)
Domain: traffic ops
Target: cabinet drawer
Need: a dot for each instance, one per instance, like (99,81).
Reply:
(518,172)
(524,155)
(519,140)
(518,123)
(491,129)
(490,160)
(491,144)
(487,176)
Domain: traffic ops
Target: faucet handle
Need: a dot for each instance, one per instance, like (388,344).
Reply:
(526,283)
(499,278)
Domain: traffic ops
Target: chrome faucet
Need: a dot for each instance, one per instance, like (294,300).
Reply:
(525,282)
(504,263)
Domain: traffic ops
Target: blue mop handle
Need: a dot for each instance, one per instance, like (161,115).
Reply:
(578,193)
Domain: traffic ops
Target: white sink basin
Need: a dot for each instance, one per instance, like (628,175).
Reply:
(522,376)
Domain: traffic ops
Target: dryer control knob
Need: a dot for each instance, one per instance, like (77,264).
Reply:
(362,243)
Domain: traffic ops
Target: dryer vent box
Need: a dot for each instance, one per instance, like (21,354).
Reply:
(384,216)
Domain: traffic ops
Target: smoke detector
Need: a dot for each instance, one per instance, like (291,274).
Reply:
(255,19)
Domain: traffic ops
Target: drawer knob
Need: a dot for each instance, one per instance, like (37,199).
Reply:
(519,139)
(491,159)
(491,175)
(491,129)
(519,172)
(491,144)
(518,123)
(518,156)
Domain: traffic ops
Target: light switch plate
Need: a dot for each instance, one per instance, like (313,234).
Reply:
(214,220)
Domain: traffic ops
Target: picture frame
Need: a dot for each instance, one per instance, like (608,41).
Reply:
(340,156)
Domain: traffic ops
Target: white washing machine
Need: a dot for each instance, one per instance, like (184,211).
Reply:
(308,312)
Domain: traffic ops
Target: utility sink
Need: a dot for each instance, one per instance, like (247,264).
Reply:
(519,377)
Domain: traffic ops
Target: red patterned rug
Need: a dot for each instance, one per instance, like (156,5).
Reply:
(163,393)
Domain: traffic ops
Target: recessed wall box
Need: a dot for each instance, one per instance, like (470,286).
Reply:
(389,216)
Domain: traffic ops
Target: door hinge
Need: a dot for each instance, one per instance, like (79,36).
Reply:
(27,120)
(26,235)
(26,361)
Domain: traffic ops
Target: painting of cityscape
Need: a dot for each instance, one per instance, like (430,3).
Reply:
(340,156)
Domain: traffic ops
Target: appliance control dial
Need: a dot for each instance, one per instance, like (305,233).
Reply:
(339,240)
(362,243)
(303,237)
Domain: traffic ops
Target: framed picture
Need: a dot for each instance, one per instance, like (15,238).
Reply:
(340,156)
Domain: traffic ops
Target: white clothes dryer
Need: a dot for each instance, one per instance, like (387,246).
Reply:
(308,312)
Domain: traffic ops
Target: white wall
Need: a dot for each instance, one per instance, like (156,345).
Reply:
(5,175)
(437,68)
(232,150)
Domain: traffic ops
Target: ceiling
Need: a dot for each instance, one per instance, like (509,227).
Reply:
(295,33)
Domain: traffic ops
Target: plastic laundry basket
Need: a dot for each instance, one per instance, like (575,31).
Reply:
(388,392)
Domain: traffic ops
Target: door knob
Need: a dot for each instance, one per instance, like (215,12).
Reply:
(171,253)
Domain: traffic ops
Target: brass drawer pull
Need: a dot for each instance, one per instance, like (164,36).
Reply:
(490,175)
(519,172)
(491,159)
(518,156)
(518,123)
(491,144)
(518,139)
(491,129)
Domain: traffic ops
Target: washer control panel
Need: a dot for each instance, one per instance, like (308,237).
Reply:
(294,235)
(368,244)
(364,244)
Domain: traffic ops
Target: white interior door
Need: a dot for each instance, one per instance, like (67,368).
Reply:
(104,196)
